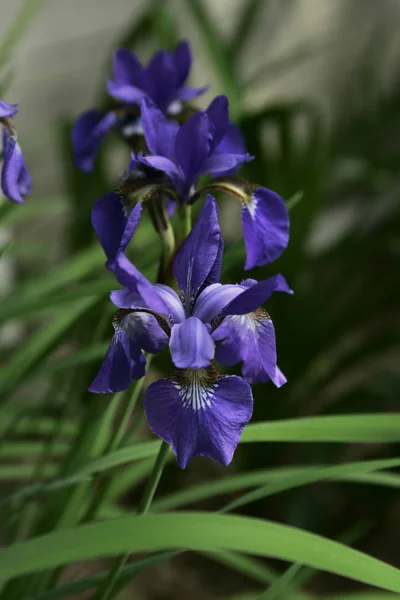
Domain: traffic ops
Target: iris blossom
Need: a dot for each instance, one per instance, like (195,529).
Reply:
(206,144)
(15,178)
(195,410)
(162,81)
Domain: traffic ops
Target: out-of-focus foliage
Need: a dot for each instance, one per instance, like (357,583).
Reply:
(65,458)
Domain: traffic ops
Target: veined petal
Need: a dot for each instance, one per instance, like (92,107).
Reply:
(251,339)
(122,363)
(257,294)
(7,110)
(172,301)
(191,345)
(159,132)
(265,222)
(213,299)
(87,134)
(199,413)
(196,257)
(214,275)
(15,177)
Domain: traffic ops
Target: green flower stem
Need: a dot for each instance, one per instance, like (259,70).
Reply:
(185,221)
(112,587)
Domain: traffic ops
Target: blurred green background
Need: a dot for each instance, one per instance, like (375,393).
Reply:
(315,87)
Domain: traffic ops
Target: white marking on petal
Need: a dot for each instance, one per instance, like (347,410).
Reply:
(134,128)
(174,108)
(252,206)
(196,390)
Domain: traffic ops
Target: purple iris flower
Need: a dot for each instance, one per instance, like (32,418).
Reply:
(209,144)
(162,81)
(196,410)
(15,177)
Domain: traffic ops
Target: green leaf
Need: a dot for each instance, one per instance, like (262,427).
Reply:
(369,428)
(121,456)
(18,28)
(39,345)
(278,480)
(247,18)
(195,531)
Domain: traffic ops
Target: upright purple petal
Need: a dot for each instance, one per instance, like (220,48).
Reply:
(191,345)
(15,177)
(159,132)
(172,301)
(196,257)
(127,69)
(7,110)
(183,61)
(214,275)
(233,142)
(250,339)
(218,114)
(199,413)
(87,134)
(162,79)
(255,295)
(122,363)
(192,145)
(265,222)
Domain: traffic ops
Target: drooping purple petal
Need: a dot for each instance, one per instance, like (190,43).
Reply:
(213,300)
(159,132)
(265,221)
(253,297)
(191,345)
(7,110)
(142,331)
(15,177)
(199,413)
(250,339)
(192,146)
(122,363)
(196,257)
(87,134)
(109,219)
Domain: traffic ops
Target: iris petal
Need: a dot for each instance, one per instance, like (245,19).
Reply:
(199,413)
(191,344)
(213,299)
(87,134)
(15,177)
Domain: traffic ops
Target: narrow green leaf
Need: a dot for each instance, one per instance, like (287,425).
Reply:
(39,345)
(121,456)
(18,28)
(195,531)
(369,428)
(277,480)
(281,585)
(247,18)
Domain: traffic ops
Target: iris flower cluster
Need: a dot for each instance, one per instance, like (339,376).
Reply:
(15,177)
(196,409)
